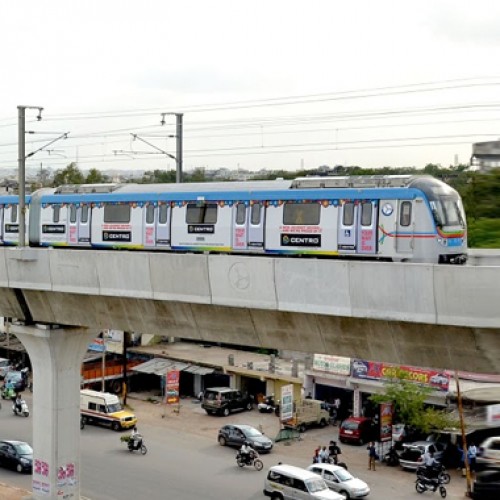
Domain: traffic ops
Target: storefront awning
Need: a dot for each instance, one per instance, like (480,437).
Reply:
(160,366)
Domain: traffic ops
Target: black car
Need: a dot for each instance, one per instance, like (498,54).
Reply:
(16,455)
(236,435)
(224,400)
(487,485)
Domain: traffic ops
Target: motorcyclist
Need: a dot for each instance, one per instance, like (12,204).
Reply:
(334,451)
(18,402)
(431,465)
(247,452)
(135,438)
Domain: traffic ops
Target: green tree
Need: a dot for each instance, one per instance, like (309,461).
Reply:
(408,399)
(70,175)
(96,177)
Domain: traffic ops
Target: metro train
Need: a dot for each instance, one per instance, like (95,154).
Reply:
(391,218)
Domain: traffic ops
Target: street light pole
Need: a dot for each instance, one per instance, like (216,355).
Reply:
(178,156)
(21,116)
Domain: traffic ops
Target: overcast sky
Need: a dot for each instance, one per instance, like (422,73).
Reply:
(262,84)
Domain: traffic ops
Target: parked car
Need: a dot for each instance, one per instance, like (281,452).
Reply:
(16,455)
(412,455)
(236,435)
(5,366)
(488,456)
(224,400)
(18,379)
(340,480)
(357,430)
(486,485)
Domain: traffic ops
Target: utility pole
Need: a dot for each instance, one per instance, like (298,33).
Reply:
(178,135)
(21,118)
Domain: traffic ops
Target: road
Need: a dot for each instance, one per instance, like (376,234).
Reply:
(181,465)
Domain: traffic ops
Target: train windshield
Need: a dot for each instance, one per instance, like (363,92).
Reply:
(445,202)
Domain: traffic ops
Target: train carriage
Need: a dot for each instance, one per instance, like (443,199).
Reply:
(399,218)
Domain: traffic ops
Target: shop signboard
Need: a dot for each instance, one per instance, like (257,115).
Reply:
(286,406)
(493,415)
(97,345)
(373,370)
(332,364)
(173,386)
(385,420)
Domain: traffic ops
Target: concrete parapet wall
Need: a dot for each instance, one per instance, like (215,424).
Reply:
(420,293)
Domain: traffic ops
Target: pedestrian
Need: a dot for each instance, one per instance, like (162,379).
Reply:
(324,455)
(372,455)
(471,456)
(334,451)
(316,455)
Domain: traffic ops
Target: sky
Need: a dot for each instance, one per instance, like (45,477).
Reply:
(281,84)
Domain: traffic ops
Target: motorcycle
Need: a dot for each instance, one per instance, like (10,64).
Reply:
(430,484)
(21,409)
(137,445)
(439,471)
(267,406)
(391,458)
(251,459)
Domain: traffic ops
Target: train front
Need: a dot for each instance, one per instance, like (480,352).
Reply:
(448,215)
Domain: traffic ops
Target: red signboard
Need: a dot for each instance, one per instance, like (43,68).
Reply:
(173,386)
(386,371)
(385,421)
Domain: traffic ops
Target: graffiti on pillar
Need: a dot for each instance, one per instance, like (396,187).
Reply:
(41,468)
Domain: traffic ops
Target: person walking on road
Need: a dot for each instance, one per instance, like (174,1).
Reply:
(372,456)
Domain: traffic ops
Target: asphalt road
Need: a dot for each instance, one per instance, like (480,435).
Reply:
(183,466)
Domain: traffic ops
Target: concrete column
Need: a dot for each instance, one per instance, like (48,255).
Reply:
(56,356)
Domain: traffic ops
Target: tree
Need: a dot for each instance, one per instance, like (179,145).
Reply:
(408,399)
(70,175)
(96,177)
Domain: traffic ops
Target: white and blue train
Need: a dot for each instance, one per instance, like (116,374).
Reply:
(392,218)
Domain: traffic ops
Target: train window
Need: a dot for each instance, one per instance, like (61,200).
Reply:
(201,214)
(56,212)
(84,213)
(405,214)
(13,214)
(348,214)
(162,216)
(72,214)
(301,213)
(241,212)
(116,213)
(255,217)
(366,214)
(150,214)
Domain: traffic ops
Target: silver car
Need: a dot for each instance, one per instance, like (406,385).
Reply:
(412,456)
(341,481)
(5,366)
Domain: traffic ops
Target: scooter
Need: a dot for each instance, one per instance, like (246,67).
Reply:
(8,393)
(391,458)
(267,406)
(430,484)
(138,445)
(251,459)
(21,409)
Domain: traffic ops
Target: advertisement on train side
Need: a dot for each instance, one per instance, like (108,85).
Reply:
(373,370)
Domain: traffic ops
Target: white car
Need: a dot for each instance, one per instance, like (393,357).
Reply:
(488,456)
(341,481)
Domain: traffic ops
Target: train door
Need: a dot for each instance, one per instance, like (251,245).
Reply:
(240,226)
(347,232)
(256,225)
(79,225)
(163,225)
(405,231)
(149,226)
(367,227)
(1,223)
